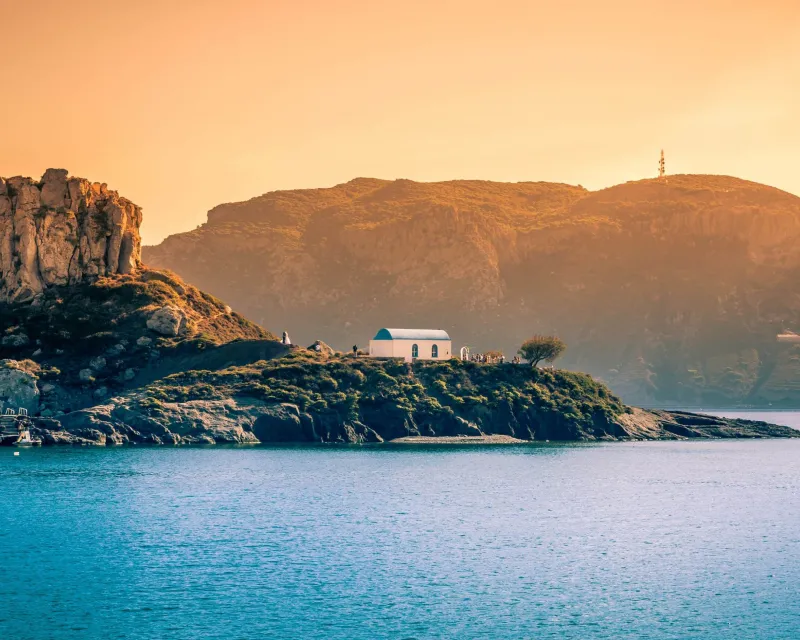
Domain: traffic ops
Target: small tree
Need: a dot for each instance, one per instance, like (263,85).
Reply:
(539,348)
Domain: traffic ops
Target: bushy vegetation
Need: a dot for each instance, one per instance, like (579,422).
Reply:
(429,392)
(67,326)
(90,317)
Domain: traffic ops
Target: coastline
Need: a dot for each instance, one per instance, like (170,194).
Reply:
(487,439)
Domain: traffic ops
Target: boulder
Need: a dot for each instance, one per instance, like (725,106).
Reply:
(115,350)
(320,347)
(167,320)
(86,375)
(144,341)
(98,363)
(18,387)
(15,340)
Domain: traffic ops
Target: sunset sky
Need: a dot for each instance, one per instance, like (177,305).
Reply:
(183,105)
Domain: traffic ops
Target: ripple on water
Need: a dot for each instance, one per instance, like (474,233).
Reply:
(658,540)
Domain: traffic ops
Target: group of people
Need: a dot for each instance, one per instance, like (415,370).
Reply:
(493,358)
(488,358)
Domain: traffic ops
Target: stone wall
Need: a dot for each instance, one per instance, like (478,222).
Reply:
(63,230)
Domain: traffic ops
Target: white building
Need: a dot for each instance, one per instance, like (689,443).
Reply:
(411,344)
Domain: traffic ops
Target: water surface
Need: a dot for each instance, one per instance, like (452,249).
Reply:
(630,540)
(786,418)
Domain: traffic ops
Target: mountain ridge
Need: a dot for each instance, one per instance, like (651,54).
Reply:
(672,291)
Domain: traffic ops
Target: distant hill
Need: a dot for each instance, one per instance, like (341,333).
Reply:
(672,292)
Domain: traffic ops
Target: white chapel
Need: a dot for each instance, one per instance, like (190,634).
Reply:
(411,344)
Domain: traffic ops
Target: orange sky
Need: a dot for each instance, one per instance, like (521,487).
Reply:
(183,105)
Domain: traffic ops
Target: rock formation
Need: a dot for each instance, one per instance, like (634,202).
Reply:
(18,388)
(63,230)
(168,321)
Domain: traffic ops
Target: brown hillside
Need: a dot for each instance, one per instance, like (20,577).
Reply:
(672,292)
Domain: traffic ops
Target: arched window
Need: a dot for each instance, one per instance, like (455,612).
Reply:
(435,351)
(414,351)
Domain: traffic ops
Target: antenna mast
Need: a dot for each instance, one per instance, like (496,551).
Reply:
(662,171)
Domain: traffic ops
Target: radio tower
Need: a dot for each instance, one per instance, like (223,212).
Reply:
(662,171)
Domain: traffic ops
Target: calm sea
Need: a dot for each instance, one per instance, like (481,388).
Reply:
(628,540)
(787,418)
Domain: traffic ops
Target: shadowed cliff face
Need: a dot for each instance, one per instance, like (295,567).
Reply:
(63,230)
(671,292)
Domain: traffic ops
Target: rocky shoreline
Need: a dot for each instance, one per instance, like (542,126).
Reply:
(136,419)
(458,440)
(93,432)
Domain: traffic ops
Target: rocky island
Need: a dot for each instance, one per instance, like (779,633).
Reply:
(99,349)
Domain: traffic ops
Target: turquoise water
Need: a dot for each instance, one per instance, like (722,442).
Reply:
(628,540)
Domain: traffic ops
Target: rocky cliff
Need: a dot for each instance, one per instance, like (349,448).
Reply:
(63,230)
(672,292)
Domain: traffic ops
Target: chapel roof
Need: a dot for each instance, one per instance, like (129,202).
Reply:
(411,334)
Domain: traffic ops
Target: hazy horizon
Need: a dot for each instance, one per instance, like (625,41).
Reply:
(187,106)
